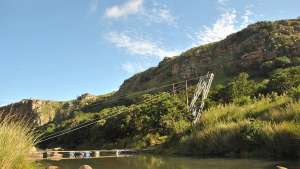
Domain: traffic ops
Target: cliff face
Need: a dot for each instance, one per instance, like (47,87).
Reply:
(38,112)
(246,50)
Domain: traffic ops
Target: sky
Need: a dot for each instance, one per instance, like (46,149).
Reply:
(60,49)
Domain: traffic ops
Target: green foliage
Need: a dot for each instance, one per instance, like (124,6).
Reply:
(242,100)
(278,62)
(240,87)
(268,65)
(282,61)
(267,127)
(154,116)
(296,61)
(284,79)
(295,92)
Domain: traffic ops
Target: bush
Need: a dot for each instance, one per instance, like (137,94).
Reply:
(261,87)
(284,79)
(295,92)
(296,61)
(242,100)
(240,86)
(282,61)
(268,65)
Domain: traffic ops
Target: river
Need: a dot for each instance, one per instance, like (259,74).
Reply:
(162,162)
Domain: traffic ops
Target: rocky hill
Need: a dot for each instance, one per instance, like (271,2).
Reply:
(41,112)
(251,50)
(257,49)
(38,111)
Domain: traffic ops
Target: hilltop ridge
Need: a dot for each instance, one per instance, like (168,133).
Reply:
(247,50)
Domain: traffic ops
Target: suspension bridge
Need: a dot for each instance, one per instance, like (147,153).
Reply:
(84,154)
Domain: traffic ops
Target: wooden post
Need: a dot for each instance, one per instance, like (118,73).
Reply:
(71,154)
(174,90)
(45,155)
(97,154)
(117,153)
(186,94)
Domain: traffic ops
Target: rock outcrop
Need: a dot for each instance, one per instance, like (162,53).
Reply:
(85,167)
(38,112)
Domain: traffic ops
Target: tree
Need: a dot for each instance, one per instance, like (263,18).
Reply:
(240,87)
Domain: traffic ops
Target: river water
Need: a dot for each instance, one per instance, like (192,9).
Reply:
(162,162)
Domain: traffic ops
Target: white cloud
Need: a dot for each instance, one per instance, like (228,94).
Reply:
(160,14)
(151,13)
(139,45)
(132,68)
(225,25)
(93,6)
(223,2)
(131,7)
(246,18)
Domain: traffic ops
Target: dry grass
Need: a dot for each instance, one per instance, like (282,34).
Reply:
(16,141)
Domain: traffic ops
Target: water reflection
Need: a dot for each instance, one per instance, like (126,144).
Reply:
(159,162)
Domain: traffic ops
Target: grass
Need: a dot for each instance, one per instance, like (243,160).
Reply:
(268,127)
(16,141)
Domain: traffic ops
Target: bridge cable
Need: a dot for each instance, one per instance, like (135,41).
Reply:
(151,89)
(82,126)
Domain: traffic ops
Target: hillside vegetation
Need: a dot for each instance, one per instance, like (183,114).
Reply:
(266,127)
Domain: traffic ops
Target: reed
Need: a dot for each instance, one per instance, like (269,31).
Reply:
(16,141)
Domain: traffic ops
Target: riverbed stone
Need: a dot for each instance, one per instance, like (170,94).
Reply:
(85,167)
(52,167)
(280,167)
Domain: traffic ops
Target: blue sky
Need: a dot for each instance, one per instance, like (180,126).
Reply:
(59,49)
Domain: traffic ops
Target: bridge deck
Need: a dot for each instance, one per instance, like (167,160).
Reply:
(82,154)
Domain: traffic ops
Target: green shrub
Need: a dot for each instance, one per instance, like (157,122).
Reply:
(295,92)
(296,61)
(261,87)
(242,100)
(240,86)
(282,61)
(284,79)
(268,65)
